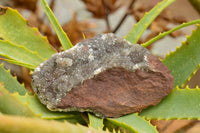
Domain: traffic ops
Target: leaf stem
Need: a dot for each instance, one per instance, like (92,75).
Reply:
(64,40)
(161,35)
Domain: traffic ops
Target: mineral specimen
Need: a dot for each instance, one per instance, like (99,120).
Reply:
(105,75)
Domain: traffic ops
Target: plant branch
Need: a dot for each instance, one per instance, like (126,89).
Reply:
(106,15)
(128,11)
(161,35)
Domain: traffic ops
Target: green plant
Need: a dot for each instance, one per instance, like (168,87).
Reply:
(25,46)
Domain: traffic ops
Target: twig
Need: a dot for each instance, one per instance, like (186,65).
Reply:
(128,11)
(106,15)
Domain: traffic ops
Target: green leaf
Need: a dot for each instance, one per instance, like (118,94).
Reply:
(18,63)
(134,123)
(95,122)
(134,35)
(16,124)
(161,35)
(185,60)
(40,110)
(10,104)
(20,54)
(27,105)
(179,104)
(14,28)
(64,40)
(10,82)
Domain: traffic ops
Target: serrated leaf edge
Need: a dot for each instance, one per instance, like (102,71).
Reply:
(143,117)
(175,118)
(14,77)
(177,48)
(35,30)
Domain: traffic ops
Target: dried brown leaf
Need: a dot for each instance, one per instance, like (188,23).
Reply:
(97,7)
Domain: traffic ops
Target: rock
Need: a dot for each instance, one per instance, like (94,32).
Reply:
(105,75)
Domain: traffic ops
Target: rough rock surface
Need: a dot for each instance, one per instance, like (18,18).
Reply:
(105,75)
